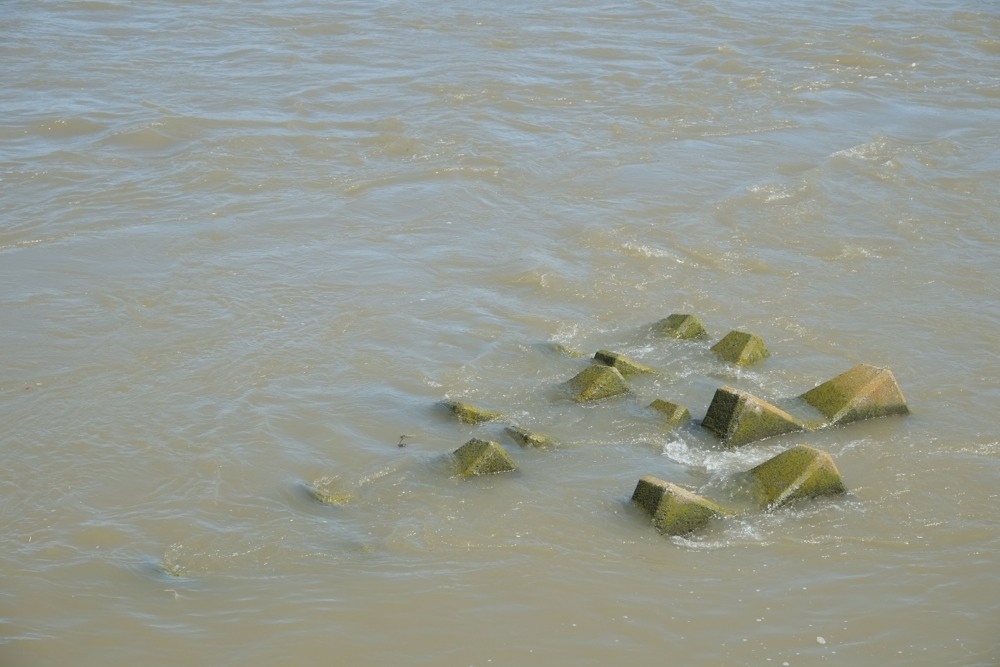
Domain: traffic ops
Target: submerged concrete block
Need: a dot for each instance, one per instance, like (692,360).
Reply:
(482,457)
(741,348)
(675,510)
(738,417)
(527,438)
(559,348)
(680,325)
(675,414)
(597,382)
(800,472)
(864,392)
(325,490)
(468,414)
(625,365)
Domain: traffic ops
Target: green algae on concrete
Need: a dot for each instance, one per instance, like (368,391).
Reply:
(675,510)
(482,457)
(559,348)
(625,365)
(675,414)
(741,348)
(172,569)
(680,325)
(597,382)
(468,414)
(864,392)
(738,417)
(527,438)
(324,490)
(800,472)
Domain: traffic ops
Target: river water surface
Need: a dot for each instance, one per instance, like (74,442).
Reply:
(245,246)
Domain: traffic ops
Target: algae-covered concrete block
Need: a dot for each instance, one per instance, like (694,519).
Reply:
(738,417)
(482,457)
(597,382)
(468,414)
(864,392)
(675,511)
(680,325)
(329,497)
(800,472)
(559,348)
(527,438)
(328,491)
(675,414)
(741,348)
(625,365)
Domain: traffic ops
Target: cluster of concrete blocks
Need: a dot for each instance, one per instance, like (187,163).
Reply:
(736,417)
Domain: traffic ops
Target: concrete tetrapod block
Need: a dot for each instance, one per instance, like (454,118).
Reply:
(559,348)
(597,382)
(800,472)
(675,510)
(482,457)
(324,490)
(625,365)
(864,392)
(680,325)
(741,348)
(675,414)
(527,438)
(468,414)
(738,417)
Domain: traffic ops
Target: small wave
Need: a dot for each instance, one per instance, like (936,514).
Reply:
(872,151)
(424,176)
(643,250)
(65,128)
(771,192)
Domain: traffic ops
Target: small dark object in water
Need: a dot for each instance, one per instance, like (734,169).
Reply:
(402,439)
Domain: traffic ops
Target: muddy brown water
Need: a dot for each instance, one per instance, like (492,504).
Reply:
(245,247)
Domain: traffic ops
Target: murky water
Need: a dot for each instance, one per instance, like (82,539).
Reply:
(246,246)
